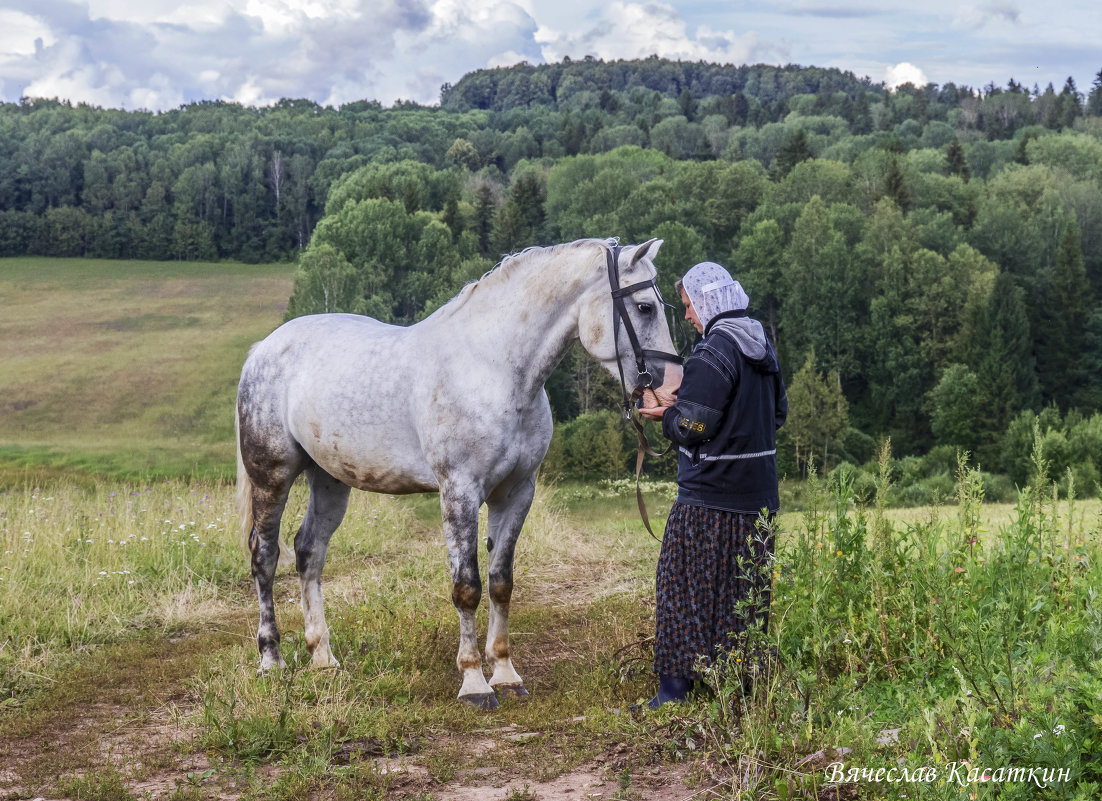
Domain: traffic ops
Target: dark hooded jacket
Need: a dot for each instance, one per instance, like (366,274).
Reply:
(731,402)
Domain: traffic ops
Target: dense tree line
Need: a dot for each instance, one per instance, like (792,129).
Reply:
(218,180)
(937,320)
(928,260)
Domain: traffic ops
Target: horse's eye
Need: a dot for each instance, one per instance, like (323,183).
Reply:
(646,308)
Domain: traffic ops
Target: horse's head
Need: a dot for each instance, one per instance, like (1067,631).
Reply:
(622,324)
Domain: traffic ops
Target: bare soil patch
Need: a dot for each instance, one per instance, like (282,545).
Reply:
(123,709)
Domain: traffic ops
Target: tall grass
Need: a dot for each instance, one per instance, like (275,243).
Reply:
(948,636)
(86,566)
(922,645)
(81,567)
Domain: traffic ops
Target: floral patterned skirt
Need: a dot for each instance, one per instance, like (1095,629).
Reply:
(714,582)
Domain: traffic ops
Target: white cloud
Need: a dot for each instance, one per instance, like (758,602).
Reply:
(904,72)
(507,59)
(632,30)
(21,34)
(161,53)
(976,16)
(172,54)
(460,37)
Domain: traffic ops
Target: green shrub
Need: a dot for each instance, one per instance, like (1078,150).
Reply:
(854,480)
(858,447)
(1072,443)
(998,488)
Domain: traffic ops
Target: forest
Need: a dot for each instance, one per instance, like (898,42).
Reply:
(927,259)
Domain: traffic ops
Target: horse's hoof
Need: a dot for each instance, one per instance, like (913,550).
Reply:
(324,663)
(517,691)
(267,666)
(483,701)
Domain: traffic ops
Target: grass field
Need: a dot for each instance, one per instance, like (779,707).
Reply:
(964,639)
(128,668)
(127,368)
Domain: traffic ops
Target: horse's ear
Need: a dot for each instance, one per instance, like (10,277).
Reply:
(650,245)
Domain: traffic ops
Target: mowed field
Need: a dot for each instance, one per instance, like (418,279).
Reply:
(127,368)
(934,638)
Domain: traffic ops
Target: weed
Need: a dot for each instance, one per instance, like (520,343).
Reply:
(106,563)
(954,639)
(103,785)
(187,793)
(196,778)
(624,791)
(521,794)
(443,763)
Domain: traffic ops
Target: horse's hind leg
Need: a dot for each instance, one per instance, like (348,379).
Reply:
(508,509)
(268,500)
(271,460)
(459,509)
(324,513)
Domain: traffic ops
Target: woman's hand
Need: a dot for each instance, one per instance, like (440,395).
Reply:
(653,412)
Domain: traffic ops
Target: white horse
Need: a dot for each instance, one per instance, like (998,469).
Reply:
(454,404)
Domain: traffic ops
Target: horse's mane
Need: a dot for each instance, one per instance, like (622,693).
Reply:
(515,262)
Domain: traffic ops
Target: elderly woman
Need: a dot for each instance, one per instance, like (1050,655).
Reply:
(713,578)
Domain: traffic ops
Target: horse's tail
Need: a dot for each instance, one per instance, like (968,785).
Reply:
(245,502)
(244,488)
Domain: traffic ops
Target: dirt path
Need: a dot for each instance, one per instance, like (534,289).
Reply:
(120,725)
(122,712)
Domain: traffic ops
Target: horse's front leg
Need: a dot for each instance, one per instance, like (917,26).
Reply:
(459,509)
(508,509)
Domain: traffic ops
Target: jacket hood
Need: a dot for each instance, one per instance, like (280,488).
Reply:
(749,337)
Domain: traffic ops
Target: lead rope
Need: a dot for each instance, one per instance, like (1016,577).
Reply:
(644,449)
(613,259)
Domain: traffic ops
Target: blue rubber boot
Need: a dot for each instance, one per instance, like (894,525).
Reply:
(671,689)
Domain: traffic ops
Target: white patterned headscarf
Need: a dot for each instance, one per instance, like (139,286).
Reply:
(712,290)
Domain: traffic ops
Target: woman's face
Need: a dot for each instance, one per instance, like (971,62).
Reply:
(690,312)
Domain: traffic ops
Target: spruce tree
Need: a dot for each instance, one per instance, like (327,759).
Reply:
(818,414)
(1066,304)
(1021,155)
(484,207)
(741,110)
(1094,101)
(519,222)
(451,215)
(794,150)
(956,164)
(895,185)
(528,196)
(862,115)
(1002,359)
(1070,104)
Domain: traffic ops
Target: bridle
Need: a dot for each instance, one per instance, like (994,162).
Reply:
(644,380)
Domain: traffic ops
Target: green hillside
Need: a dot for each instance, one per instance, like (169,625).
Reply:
(127,367)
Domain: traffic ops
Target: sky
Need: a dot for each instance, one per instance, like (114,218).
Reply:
(160,54)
